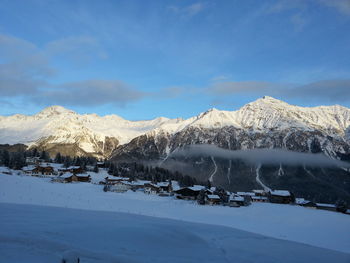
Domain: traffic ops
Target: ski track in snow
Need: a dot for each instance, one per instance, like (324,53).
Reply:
(211,178)
(266,188)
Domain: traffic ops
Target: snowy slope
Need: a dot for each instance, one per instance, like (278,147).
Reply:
(37,234)
(90,132)
(313,227)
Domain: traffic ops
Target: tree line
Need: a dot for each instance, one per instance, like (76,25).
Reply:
(154,174)
(17,160)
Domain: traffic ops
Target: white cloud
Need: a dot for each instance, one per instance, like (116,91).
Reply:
(189,10)
(333,90)
(26,71)
(342,6)
(90,93)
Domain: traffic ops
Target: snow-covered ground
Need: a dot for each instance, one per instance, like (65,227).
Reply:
(313,227)
(39,234)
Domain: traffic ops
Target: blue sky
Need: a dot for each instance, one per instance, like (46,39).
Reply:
(143,59)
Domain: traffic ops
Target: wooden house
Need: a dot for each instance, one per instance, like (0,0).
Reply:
(236,201)
(43,170)
(72,169)
(213,199)
(136,185)
(281,197)
(250,194)
(305,203)
(32,160)
(328,207)
(259,192)
(150,188)
(189,193)
(76,178)
(100,164)
(262,199)
(119,187)
(165,187)
(114,180)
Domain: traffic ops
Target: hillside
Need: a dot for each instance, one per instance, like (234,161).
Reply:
(318,228)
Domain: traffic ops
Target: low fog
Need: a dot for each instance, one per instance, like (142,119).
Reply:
(260,156)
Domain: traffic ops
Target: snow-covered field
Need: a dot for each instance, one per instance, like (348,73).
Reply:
(34,234)
(124,234)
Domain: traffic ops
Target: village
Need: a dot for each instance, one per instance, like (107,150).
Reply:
(203,195)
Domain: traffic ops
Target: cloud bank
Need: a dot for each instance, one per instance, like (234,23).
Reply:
(332,90)
(26,71)
(260,156)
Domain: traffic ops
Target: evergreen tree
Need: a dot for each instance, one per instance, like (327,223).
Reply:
(6,158)
(44,156)
(201,197)
(58,158)
(208,185)
(341,206)
(67,161)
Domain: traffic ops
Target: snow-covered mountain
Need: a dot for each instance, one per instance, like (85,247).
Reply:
(56,128)
(91,134)
(264,123)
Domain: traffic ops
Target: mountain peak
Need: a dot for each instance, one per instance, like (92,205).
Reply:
(268,101)
(55,110)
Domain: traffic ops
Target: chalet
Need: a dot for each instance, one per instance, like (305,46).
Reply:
(33,160)
(246,194)
(5,170)
(211,190)
(72,169)
(150,188)
(213,199)
(259,192)
(328,207)
(305,203)
(281,197)
(189,193)
(114,180)
(119,187)
(100,164)
(137,185)
(165,187)
(39,170)
(68,178)
(236,201)
(262,199)
(28,169)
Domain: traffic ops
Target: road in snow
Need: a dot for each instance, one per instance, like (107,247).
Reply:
(314,227)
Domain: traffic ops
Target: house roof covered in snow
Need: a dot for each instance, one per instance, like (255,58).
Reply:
(28,168)
(236,198)
(259,198)
(196,187)
(213,197)
(325,205)
(246,193)
(280,192)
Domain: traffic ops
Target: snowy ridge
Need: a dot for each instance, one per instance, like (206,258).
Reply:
(57,125)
